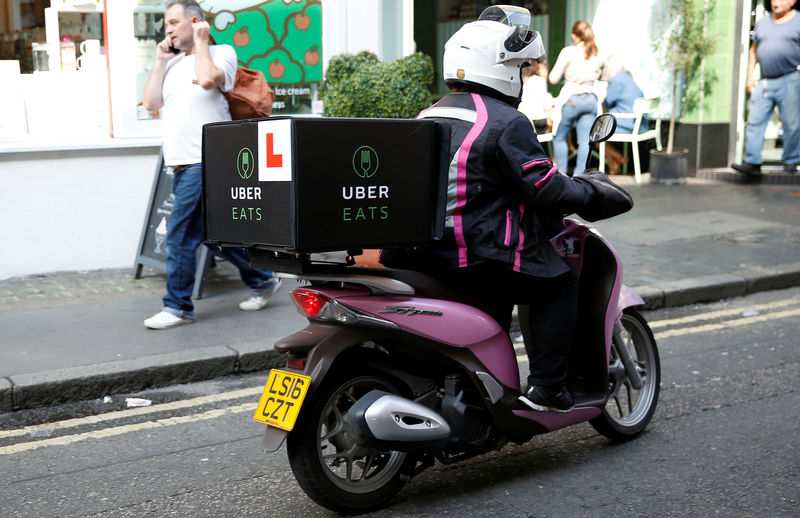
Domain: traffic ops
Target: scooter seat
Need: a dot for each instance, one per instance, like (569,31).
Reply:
(425,286)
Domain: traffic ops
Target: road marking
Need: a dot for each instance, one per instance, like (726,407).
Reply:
(707,328)
(132,412)
(728,324)
(128,428)
(722,313)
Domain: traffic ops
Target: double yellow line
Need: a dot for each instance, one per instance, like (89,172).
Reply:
(735,317)
(68,424)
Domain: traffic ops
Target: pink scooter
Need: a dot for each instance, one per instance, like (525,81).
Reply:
(395,372)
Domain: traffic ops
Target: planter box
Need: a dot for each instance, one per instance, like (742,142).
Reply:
(669,168)
(321,184)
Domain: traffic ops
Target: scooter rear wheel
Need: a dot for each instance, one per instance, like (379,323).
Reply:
(330,467)
(629,410)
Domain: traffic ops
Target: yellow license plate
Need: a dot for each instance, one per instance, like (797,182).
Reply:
(282,398)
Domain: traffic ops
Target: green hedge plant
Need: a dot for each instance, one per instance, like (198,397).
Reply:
(359,85)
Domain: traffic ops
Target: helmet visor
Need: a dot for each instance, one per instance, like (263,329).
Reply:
(508,15)
(517,17)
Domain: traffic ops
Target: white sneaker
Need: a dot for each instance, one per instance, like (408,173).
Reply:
(165,320)
(258,302)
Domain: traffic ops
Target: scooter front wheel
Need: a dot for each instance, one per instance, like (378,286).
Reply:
(629,410)
(331,468)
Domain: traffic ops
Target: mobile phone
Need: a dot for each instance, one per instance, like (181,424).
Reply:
(173,49)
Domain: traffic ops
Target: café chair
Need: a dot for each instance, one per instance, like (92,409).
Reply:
(641,107)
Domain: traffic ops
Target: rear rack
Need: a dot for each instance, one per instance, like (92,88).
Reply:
(377,285)
(301,266)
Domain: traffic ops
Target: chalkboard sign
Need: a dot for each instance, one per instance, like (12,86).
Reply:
(152,250)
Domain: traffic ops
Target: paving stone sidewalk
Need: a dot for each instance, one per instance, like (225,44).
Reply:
(61,289)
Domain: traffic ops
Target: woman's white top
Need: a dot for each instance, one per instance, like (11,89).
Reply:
(579,72)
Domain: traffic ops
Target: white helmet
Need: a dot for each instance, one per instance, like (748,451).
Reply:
(492,50)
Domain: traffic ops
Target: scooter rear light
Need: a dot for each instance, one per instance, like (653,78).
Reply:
(319,307)
(295,362)
(309,303)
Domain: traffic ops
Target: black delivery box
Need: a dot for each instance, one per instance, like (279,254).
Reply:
(321,184)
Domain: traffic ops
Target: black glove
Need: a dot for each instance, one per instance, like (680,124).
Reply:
(610,199)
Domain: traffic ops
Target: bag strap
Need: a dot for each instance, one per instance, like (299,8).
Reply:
(213,41)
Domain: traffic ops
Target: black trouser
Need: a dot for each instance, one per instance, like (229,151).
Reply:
(549,305)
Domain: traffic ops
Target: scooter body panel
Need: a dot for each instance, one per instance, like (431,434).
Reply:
(629,298)
(451,323)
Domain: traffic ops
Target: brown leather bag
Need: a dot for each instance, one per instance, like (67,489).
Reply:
(251,96)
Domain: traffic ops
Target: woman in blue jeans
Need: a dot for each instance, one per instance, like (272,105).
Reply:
(580,66)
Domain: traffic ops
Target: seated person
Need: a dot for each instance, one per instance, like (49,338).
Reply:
(621,94)
(537,103)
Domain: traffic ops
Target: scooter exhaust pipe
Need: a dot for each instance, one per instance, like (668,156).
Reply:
(388,418)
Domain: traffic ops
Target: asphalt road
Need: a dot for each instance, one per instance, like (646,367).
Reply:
(723,442)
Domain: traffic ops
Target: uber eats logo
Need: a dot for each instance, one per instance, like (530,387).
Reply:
(245,165)
(365,162)
(364,201)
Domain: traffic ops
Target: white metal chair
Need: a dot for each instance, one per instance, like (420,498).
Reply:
(546,140)
(641,107)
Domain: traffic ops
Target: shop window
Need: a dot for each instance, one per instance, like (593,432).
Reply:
(21,24)
(470,9)
(452,14)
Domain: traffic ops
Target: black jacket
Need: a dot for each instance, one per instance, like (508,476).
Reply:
(501,187)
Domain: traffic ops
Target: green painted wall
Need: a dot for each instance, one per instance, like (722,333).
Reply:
(717,107)
(557,33)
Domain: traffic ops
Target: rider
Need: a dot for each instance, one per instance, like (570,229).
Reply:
(503,195)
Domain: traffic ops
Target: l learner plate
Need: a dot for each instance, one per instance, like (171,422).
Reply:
(282,398)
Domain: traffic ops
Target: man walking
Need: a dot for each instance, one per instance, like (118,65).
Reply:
(776,48)
(186,82)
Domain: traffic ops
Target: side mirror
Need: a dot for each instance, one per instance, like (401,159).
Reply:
(604,126)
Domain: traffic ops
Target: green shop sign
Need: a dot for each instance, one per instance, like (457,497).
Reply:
(281,38)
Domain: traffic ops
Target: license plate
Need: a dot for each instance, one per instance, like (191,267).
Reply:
(282,398)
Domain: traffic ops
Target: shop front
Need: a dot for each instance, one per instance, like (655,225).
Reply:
(77,149)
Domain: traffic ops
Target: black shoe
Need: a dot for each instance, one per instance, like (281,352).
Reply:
(747,169)
(790,168)
(548,400)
